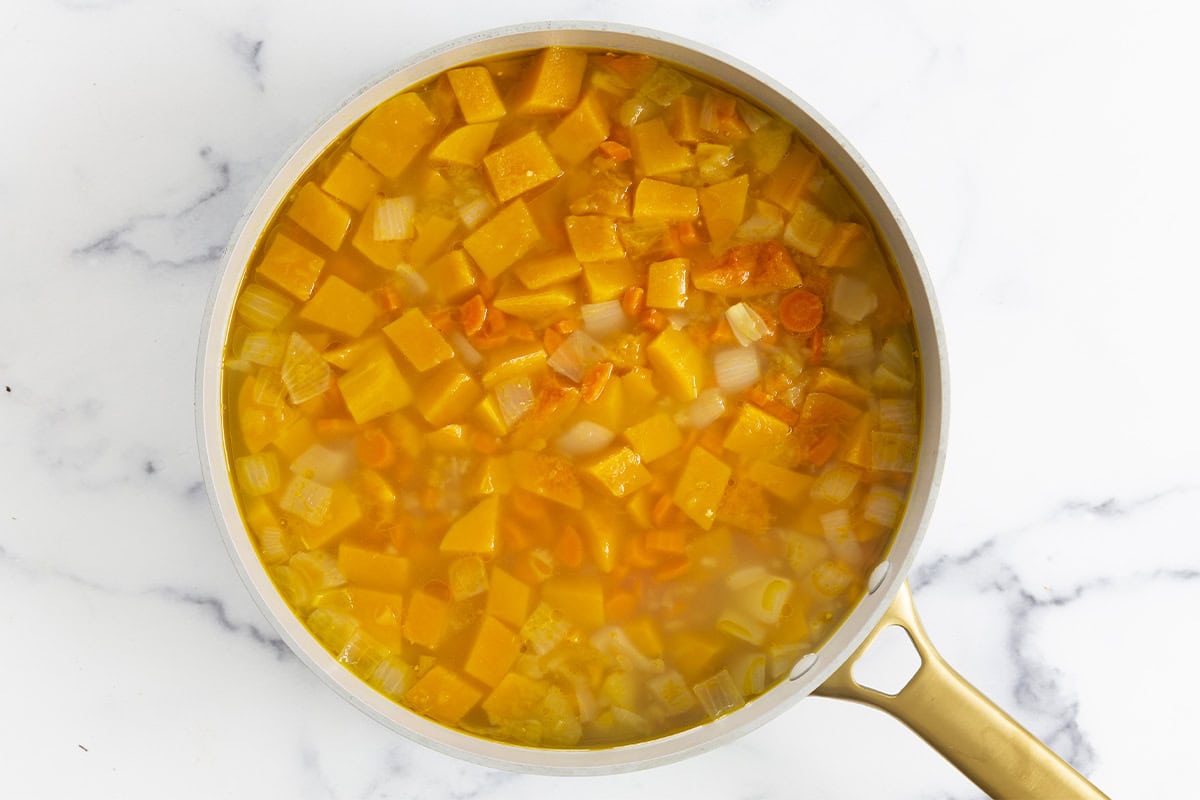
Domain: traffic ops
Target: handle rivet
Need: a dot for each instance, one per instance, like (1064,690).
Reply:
(878,575)
(803,666)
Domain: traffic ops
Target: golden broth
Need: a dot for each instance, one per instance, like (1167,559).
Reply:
(570,399)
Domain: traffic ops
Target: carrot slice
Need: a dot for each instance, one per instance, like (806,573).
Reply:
(800,311)
(669,540)
(388,298)
(653,320)
(673,568)
(375,449)
(595,380)
(552,339)
(473,314)
(615,150)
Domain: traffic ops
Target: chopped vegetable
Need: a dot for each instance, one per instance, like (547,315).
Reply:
(736,369)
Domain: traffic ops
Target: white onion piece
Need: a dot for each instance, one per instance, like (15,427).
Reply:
(704,410)
(601,319)
(414,283)
(394,219)
(736,368)
(852,299)
(584,438)
(515,398)
(747,326)
(576,355)
(464,349)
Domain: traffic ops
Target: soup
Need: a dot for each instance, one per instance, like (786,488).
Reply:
(570,399)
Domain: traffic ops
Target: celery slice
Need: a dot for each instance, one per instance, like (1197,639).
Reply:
(719,694)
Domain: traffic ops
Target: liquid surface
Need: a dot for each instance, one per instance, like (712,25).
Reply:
(570,399)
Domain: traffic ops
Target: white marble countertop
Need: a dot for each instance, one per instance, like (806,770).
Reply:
(1045,156)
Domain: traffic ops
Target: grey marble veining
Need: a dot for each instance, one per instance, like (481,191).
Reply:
(1043,156)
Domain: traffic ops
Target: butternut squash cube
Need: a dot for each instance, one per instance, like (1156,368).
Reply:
(789,182)
(492,476)
(373,569)
(475,531)
(442,695)
(341,308)
(427,619)
(723,205)
(693,652)
(453,439)
(538,273)
(823,408)
(856,449)
(787,485)
(581,131)
(476,94)
(608,280)
(756,433)
(451,278)
(700,486)
(654,437)
(535,304)
(604,536)
(433,235)
(375,387)
(416,338)
(498,243)
(745,507)
(594,238)
(579,599)
(846,246)
(684,117)
(656,152)
(640,394)
(552,82)
(447,394)
(667,283)
(645,636)
(679,365)
(830,381)
(520,165)
(513,361)
(392,135)
(488,416)
(607,410)
(809,229)
(466,145)
(654,199)
(548,476)
(320,215)
(380,252)
(508,598)
(352,181)
(620,471)
(291,266)
(380,613)
(493,652)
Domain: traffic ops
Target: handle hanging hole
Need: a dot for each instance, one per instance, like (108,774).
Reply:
(889,663)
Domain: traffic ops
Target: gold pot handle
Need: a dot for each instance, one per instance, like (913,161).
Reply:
(970,731)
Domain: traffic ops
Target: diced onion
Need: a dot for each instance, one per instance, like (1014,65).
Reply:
(897,414)
(897,355)
(264,348)
(578,353)
(852,299)
(745,576)
(602,319)
(307,499)
(319,569)
(750,673)
(474,211)
(835,484)
(304,372)
(272,544)
(736,368)
(893,452)
(324,464)
(664,85)
(719,694)
(703,411)
(412,282)
(257,474)
(781,657)
(851,348)
(515,399)
(583,438)
(741,625)
(747,326)
(393,677)
(835,524)
(615,642)
(332,628)
(262,308)
(268,389)
(765,223)
(753,116)
(464,349)
(670,690)
(394,219)
(882,505)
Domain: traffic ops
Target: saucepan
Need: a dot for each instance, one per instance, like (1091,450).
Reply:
(988,746)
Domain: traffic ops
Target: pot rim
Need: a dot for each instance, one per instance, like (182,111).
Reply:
(894,235)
